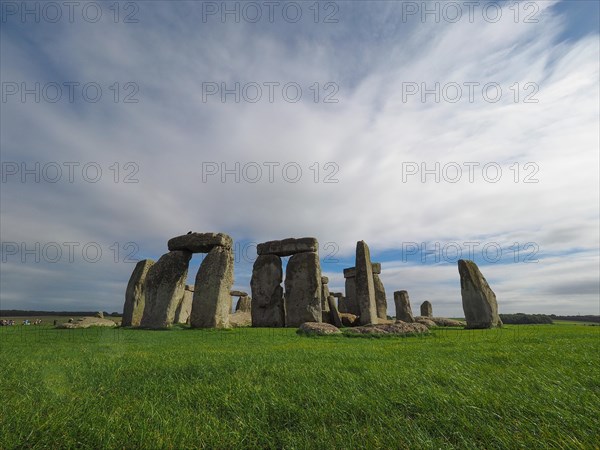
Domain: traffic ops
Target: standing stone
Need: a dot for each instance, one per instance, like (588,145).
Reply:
(303,289)
(211,305)
(403,309)
(478,299)
(267,305)
(350,305)
(324,294)
(135,295)
(426,310)
(183,311)
(380,300)
(164,288)
(244,304)
(334,316)
(365,289)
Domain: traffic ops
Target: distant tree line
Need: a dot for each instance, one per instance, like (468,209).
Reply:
(25,313)
(525,319)
(588,318)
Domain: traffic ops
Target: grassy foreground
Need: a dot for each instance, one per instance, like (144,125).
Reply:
(519,387)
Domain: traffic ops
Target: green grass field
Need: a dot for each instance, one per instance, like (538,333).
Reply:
(518,387)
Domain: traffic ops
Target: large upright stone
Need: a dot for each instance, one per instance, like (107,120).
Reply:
(365,289)
(324,294)
(426,309)
(212,303)
(267,294)
(478,299)
(303,289)
(200,242)
(183,311)
(135,295)
(164,286)
(287,247)
(244,304)
(380,300)
(349,304)
(334,315)
(403,309)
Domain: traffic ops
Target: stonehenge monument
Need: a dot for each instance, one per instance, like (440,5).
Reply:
(426,310)
(365,289)
(403,309)
(478,299)
(157,296)
(135,295)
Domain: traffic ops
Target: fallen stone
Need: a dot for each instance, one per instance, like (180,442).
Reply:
(267,293)
(317,329)
(87,322)
(288,247)
(425,321)
(240,319)
(365,290)
(403,309)
(394,329)
(478,299)
(164,288)
(211,305)
(349,320)
(200,242)
(303,289)
(426,310)
(444,322)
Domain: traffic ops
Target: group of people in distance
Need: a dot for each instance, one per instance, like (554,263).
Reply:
(11,322)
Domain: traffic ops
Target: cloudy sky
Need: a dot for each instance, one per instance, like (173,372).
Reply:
(431,130)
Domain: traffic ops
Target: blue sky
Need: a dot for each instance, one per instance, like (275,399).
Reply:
(158,130)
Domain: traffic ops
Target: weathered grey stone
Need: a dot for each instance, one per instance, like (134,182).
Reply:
(365,289)
(351,271)
(324,295)
(380,299)
(287,247)
(99,315)
(303,289)
(403,308)
(324,280)
(317,329)
(445,322)
(425,321)
(164,289)
(336,294)
(200,242)
(240,319)
(184,309)
(244,304)
(267,294)
(395,329)
(212,303)
(135,296)
(87,322)
(478,299)
(349,320)
(350,304)
(238,294)
(426,310)
(334,316)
